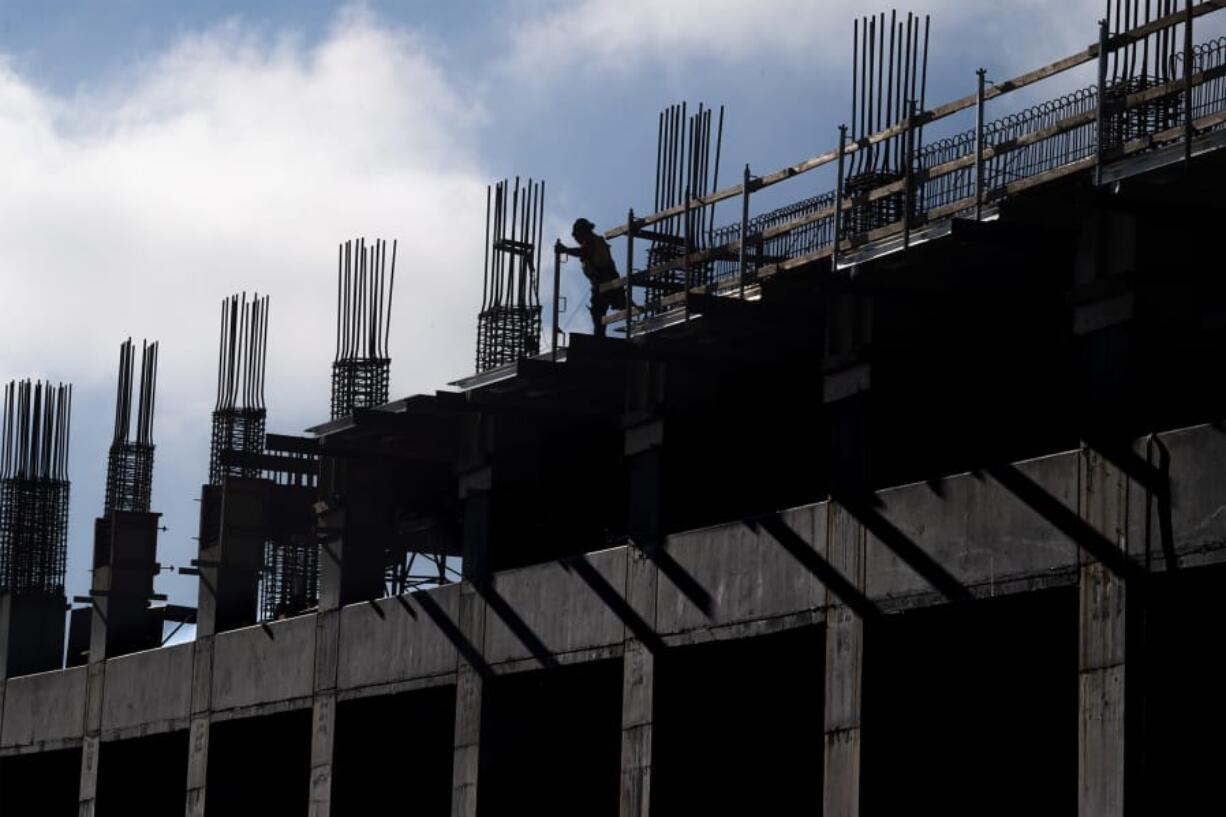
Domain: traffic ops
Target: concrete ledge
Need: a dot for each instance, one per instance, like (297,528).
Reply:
(147,688)
(45,709)
(396,639)
(264,664)
(741,572)
(556,608)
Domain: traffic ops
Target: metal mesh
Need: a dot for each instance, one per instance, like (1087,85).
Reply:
(290,581)
(129,478)
(240,430)
(33,535)
(359,383)
(506,334)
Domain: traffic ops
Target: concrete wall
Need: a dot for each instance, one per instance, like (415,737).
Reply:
(44,711)
(398,639)
(989,532)
(148,692)
(556,606)
(264,664)
(1003,530)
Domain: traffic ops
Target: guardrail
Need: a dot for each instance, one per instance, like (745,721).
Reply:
(958,175)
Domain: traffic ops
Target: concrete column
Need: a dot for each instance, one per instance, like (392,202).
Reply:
(470,684)
(638,690)
(332,521)
(198,739)
(1111,626)
(233,530)
(844,682)
(92,737)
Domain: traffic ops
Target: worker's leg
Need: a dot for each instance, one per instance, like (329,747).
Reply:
(597,306)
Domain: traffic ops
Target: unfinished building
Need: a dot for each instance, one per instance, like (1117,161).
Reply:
(903,496)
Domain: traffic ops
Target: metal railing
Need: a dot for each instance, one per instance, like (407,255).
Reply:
(955,176)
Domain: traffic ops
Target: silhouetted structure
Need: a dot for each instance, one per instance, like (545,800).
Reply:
(33,525)
(509,324)
(364,286)
(239,414)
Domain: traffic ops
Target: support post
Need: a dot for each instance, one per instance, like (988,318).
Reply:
(470,688)
(908,175)
(1111,647)
(557,298)
(638,690)
(331,522)
(1188,57)
(981,74)
(1100,119)
(629,291)
(689,247)
(744,226)
(838,199)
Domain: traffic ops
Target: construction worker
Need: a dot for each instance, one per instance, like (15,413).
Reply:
(598,267)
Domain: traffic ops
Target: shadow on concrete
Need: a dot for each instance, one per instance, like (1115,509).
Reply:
(822,570)
(1066,521)
(681,579)
(518,627)
(451,631)
(865,511)
(607,593)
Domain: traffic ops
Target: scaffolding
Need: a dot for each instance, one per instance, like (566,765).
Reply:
(509,324)
(34,488)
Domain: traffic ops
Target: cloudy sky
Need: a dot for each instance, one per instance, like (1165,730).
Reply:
(155,157)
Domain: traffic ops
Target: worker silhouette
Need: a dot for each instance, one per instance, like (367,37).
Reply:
(598,267)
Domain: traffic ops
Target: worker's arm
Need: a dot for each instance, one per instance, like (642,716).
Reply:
(574,252)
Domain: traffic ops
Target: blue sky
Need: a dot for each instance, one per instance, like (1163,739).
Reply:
(155,157)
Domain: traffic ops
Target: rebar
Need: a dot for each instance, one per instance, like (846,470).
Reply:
(34,487)
(364,285)
(509,323)
(239,413)
(129,468)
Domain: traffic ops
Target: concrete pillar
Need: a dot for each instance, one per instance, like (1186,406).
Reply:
(846,392)
(233,530)
(198,738)
(470,685)
(844,681)
(638,690)
(31,633)
(333,526)
(91,744)
(1111,642)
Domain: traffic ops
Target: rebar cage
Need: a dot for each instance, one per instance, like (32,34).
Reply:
(289,584)
(237,430)
(129,477)
(34,488)
(507,333)
(509,321)
(359,383)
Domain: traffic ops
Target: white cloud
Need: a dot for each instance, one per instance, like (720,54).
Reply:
(621,37)
(234,161)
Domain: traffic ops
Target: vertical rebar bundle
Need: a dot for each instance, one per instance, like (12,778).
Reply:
(685,170)
(509,324)
(1140,64)
(129,467)
(239,414)
(364,285)
(889,72)
(34,487)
